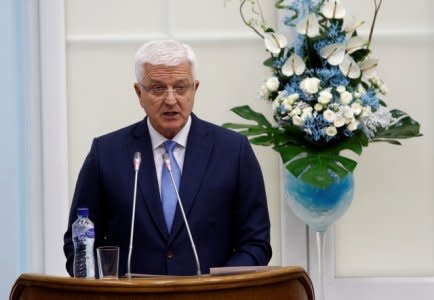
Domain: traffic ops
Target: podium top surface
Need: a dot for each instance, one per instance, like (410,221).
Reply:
(267,279)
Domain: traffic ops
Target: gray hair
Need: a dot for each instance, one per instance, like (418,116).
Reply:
(163,52)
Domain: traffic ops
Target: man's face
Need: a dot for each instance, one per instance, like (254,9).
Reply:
(168,111)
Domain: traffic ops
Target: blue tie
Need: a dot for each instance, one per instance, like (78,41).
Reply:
(168,194)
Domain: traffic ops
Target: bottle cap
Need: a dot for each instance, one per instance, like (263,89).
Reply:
(83,212)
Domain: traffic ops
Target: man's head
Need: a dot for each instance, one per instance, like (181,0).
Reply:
(166,84)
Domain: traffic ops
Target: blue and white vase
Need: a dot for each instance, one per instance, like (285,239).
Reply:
(319,207)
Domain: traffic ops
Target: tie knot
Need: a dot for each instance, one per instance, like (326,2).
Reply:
(169,145)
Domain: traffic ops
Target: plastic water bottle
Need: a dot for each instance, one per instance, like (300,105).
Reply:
(83,235)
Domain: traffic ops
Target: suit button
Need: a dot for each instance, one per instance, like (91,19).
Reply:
(169,254)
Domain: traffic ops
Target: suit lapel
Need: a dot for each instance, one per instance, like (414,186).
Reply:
(199,146)
(147,180)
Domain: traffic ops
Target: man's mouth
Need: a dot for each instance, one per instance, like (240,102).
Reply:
(170,114)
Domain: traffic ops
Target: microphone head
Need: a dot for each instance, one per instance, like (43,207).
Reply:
(166,161)
(137,160)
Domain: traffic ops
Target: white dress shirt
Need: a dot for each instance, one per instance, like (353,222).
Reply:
(157,141)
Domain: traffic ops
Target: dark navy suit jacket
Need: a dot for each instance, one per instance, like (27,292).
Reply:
(221,187)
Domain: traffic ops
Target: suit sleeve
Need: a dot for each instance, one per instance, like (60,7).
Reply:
(87,194)
(251,219)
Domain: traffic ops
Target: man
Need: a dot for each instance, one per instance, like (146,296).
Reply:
(221,185)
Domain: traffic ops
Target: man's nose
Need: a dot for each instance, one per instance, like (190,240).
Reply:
(170,97)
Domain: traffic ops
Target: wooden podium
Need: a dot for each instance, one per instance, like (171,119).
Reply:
(291,283)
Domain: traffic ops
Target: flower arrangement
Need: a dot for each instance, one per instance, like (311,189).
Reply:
(325,93)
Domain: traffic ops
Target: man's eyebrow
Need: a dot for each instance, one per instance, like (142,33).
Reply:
(154,81)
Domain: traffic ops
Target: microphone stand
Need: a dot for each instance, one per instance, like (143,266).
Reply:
(193,246)
(137,160)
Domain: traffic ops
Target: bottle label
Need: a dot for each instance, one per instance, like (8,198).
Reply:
(90,233)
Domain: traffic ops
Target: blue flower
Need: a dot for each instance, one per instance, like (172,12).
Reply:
(314,126)
(293,85)
(335,34)
(302,8)
(299,45)
(331,76)
(370,98)
(278,63)
(320,44)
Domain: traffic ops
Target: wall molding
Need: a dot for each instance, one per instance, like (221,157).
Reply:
(393,36)
(116,39)
(54,133)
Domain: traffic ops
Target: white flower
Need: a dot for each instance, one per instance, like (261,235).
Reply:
(333,9)
(318,107)
(340,89)
(325,97)
(383,89)
(263,92)
(369,67)
(272,84)
(293,65)
(310,85)
(292,98)
(339,121)
(366,111)
(308,26)
(355,43)
(306,113)
(331,131)
(360,91)
(346,97)
(351,25)
(297,121)
(295,112)
(347,113)
(275,104)
(353,125)
(274,42)
(329,115)
(382,118)
(356,108)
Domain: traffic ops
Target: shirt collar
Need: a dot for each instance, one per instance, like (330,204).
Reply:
(181,138)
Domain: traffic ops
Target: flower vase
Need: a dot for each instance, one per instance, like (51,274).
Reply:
(319,208)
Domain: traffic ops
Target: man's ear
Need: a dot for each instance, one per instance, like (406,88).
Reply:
(196,85)
(138,90)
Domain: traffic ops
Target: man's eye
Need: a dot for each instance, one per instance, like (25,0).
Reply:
(180,88)
(158,88)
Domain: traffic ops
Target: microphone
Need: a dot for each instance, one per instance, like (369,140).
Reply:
(136,161)
(168,166)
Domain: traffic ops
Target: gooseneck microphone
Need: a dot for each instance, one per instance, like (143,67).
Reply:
(168,166)
(137,161)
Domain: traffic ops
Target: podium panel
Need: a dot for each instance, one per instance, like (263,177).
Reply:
(289,283)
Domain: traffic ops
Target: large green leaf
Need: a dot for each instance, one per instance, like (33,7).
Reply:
(404,128)
(247,113)
(315,164)
(288,152)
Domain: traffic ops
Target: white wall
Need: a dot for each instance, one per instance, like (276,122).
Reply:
(102,37)
(389,229)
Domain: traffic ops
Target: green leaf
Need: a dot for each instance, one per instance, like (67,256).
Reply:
(360,54)
(254,131)
(263,140)
(318,176)
(288,152)
(247,113)
(239,126)
(298,166)
(341,172)
(393,142)
(347,163)
(404,128)
(269,62)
